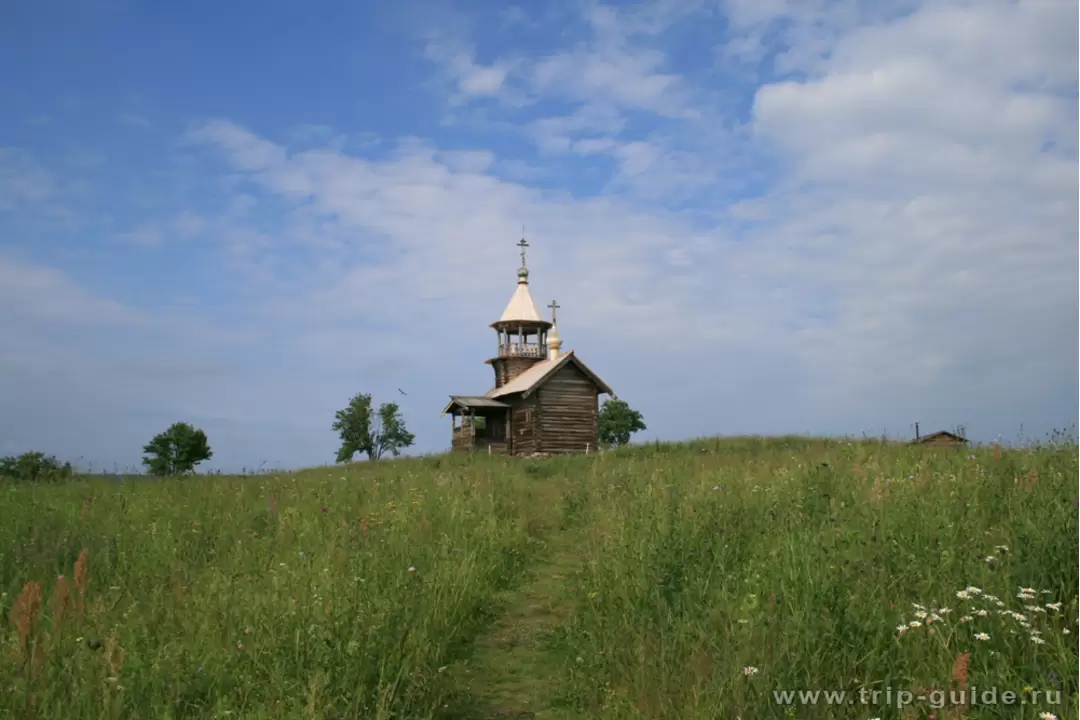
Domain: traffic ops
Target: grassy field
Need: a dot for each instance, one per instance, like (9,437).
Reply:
(664,581)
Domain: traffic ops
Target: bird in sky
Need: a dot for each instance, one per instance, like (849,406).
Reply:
(402,391)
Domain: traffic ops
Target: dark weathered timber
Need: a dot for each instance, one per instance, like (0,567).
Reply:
(462,437)
(942,438)
(567,412)
(506,369)
(523,426)
(470,437)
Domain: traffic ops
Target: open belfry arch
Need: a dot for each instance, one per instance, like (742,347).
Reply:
(544,400)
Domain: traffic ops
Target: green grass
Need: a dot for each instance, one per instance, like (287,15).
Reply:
(644,583)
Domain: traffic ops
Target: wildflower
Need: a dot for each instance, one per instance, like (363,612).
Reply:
(921,614)
(901,629)
(982,636)
(990,559)
(944,611)
(973,590)
(962,594)
(324,508)
(749,670)
(1037,640)
(966,619)
(1027,591)
(1047,716)
(412,568)
(934,617)
(914,624)
(1066,631)
(1002,549)
(982,613)
(1054,606)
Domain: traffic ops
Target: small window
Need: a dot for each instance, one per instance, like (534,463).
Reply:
(480,423)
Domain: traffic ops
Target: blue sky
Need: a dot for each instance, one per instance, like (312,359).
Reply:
(758,217)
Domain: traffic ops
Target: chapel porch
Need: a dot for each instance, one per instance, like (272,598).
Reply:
(478,424)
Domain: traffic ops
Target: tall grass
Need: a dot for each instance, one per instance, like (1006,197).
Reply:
(321,594)
(711,574)
(714,578)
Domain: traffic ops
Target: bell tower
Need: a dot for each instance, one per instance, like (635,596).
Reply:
(522,331)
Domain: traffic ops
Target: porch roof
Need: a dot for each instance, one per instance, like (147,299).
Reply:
(472,402)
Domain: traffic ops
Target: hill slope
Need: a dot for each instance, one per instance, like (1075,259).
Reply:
(690,581)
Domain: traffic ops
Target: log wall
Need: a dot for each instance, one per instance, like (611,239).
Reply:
(567,413)
(506,369)
(523,426)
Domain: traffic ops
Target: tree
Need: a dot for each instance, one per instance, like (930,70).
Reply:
(617,422)
(176,451)
(34,467)
(376,436)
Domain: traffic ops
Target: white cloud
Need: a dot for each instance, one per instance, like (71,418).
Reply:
(470,80)
(612,73)
(31,292)
(908,250)
(593,146)
(477,80)
(914,179)
(922,154)
(246,151)
(557,134)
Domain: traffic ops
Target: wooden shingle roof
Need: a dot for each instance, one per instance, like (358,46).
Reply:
(469,402)
(940,435)
(527,382)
